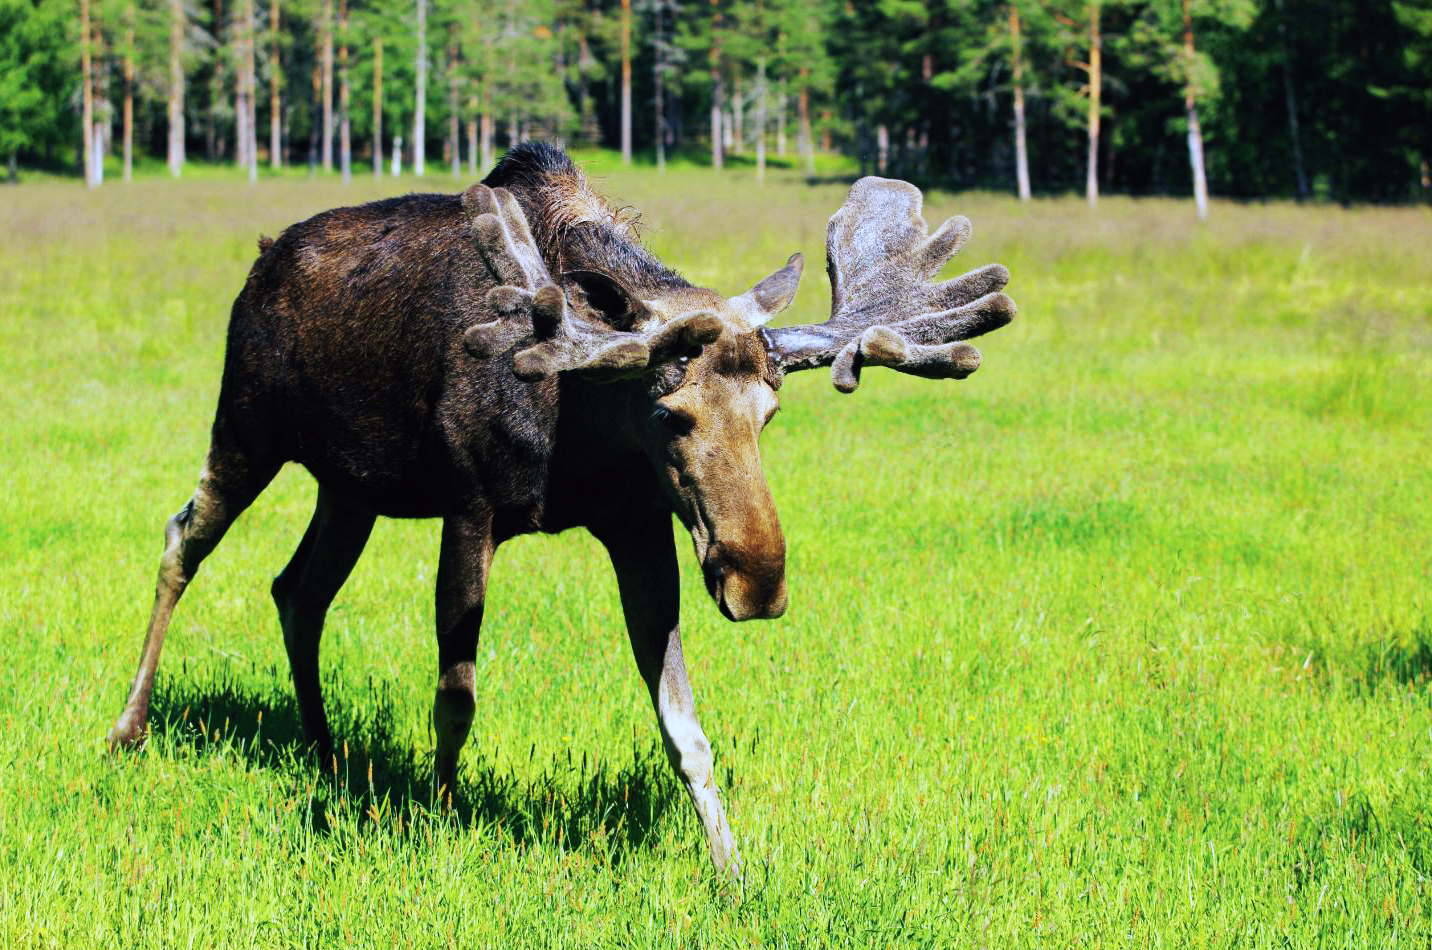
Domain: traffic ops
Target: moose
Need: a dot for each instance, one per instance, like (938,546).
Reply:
(512,360)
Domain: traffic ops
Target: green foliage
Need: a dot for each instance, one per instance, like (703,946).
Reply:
(1124,641)
(35,51)
(1348,79)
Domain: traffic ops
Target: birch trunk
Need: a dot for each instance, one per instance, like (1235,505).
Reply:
(420,92)
(454,123)
(1021,153)
(1190,105)
(251,86)
(87,94)
(626,82)
(176,87)
(1096,78)
(275,80)
(378,107)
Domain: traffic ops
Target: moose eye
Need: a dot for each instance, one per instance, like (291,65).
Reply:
(674,419)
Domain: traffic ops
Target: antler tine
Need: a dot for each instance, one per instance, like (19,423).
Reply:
(599,352)
(884,310)
(527,304)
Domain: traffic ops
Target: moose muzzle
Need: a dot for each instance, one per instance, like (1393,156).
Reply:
(748,583)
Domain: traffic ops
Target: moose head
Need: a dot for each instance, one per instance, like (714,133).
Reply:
(695,374)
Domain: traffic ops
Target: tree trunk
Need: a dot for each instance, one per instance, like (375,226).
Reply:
(241,109)
(781,119)
(420,92)
(314,110)
(326,61)
(882,148)
(378,107)
(345,126)
(716,91)
(761,118)
(275,81)
(251,90)
(212,146)
(1021,153)
(129,92)
(1290,101)
(454,122)
(484,133)
(87,94)
(738,144)
(626,82)
(806,145)
(176,87)
(1096,78)
(1190,106)
(658,78)
(472,138)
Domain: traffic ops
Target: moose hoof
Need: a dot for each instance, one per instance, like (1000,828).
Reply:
(127,733)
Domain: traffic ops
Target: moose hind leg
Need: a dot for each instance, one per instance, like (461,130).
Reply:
(227,485)
(303,591)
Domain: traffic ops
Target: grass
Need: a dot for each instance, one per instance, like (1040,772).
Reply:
(1125,641)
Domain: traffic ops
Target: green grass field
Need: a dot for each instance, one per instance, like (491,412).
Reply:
(1124,641)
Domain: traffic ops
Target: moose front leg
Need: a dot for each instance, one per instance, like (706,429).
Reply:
(644,556)
(462,587)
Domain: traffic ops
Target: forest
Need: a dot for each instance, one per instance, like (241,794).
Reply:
(1327,100)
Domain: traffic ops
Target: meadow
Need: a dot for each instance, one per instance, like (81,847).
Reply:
(1124,641)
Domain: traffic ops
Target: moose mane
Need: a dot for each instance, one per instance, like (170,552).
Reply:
(574,227)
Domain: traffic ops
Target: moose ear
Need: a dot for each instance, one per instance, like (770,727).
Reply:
(618,306)
(772,295)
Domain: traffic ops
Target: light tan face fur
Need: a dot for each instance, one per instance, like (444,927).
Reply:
(703,436)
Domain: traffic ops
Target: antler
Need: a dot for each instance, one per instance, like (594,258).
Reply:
(884,310)
(527,303)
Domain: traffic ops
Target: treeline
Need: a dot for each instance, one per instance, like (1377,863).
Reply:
(1328,99)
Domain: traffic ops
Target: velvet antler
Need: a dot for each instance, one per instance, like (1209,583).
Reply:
(884,310)
(528,304)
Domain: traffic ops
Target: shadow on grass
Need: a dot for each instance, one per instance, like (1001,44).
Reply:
(1405,659)
(371,778)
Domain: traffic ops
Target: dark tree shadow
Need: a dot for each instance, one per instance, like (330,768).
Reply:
(372,778)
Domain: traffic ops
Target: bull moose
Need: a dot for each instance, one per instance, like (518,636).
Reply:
(511,360)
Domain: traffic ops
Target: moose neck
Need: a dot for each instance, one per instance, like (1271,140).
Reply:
(598,468)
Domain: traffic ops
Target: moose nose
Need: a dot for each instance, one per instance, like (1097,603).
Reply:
(747,587)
